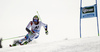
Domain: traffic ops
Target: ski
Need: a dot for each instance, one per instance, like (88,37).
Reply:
(13,45)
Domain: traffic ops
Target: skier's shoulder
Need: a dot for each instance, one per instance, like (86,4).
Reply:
(41,22)
(31,22)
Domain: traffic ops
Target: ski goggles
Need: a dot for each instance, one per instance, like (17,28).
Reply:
(35,20)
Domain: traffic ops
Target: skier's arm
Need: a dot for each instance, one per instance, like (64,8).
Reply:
(28,30)
(46,30)
(45,27)
(28,27)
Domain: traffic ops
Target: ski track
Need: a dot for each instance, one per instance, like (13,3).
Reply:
(90,44)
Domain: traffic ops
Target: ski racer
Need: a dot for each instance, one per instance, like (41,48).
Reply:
(33,29)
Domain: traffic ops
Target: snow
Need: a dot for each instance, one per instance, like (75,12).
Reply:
(90,44)
(63,19)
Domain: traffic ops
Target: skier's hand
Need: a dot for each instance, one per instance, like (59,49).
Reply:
(46,32)
(31,32)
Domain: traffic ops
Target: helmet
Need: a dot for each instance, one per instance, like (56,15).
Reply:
(35,18)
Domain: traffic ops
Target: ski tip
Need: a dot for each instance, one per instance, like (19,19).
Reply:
(10,45)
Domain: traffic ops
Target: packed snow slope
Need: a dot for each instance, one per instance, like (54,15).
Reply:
(90,44)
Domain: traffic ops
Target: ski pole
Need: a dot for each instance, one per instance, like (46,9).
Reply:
(13,37)
(39,16)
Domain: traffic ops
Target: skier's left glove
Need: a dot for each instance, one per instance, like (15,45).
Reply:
(46,32)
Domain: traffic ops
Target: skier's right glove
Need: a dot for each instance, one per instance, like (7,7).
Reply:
(31,32)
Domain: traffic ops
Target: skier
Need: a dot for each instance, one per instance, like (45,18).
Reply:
(33,33)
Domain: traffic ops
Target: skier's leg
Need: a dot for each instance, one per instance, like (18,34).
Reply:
(28,39)
(36,36)
(24,39)
(31,37)
(16,42)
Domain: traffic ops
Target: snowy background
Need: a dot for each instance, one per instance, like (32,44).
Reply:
(62,17)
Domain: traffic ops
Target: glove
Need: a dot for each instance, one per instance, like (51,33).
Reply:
(31,32)
(46,32)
